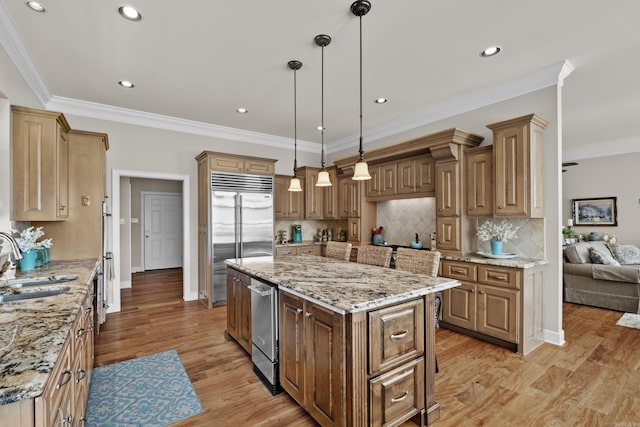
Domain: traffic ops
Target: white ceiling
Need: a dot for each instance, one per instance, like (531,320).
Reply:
(197,61)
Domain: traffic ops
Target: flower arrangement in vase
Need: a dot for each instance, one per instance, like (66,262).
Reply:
(31,248)
(497,234)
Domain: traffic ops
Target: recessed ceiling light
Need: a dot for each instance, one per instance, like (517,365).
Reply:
(126,84)
(381,100)
(38,7)
(490,51)
(130,13)
(242,110)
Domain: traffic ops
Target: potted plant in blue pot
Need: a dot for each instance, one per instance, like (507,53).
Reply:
(497,234)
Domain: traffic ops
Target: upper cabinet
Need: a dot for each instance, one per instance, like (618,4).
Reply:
(287,204)
(39,163)
(229,163)
(313,195)
(479,180)
(448,188)
(518,156)
(401,179)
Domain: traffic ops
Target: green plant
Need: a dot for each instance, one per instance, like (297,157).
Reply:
(568,232)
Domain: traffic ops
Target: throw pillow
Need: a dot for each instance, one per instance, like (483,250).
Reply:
(599,256)
(625,254)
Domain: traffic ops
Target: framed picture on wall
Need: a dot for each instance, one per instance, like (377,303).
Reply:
(598,211)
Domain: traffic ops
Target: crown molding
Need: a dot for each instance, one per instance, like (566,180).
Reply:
(549,76)
(17,50)
(140,118)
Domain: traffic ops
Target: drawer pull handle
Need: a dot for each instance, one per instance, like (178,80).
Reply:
(401,398)
(66,373)
(497,276)
(400,335)
(459,270)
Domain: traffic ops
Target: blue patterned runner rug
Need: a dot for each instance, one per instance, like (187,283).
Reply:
(150,391)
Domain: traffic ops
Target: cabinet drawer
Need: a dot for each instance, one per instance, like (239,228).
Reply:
(309,250)
(397,395)
(500,276)
(286,251)
(459,270)
(395,335)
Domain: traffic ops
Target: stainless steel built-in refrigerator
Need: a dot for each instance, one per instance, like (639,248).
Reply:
(241,222)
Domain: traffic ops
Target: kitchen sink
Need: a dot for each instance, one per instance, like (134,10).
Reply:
(41,281)
(16,295)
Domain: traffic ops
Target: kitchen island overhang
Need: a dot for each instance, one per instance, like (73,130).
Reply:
(379,343)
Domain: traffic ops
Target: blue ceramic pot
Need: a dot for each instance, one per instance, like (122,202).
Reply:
(378,239)
(496,247)
(28,261)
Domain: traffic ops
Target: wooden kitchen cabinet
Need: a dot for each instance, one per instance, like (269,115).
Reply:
(298,250)
(518,160)
(447,188)
(416,176)
(64,400)
(311,358)
(239,308)
(502,304)
(209,162)
(313,195)
(80,236)
(448,233)
(287,204)
(479,179)
(360,214)
(383,180)
(330,205)
(39,165)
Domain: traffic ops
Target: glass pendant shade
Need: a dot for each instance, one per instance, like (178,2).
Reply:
(294,185)
(323,179)
(361,172)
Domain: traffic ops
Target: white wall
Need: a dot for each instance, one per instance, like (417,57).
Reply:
(612,176)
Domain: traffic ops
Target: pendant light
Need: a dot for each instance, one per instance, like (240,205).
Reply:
(294,185)
(322,40)
(361,170)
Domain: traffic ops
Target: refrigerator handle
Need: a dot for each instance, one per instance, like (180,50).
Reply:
(239,225)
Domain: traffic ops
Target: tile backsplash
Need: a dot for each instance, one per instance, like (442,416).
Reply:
(402,219)
(528,244)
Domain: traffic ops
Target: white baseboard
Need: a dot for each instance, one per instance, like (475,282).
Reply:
(137,269)
(554,337)
(125,284)
(192,296)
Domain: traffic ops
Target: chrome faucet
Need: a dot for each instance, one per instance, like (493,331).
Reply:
(15,249)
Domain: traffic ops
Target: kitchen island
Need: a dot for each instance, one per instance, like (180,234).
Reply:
(356,342)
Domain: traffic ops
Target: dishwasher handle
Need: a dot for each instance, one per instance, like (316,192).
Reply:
(260,289)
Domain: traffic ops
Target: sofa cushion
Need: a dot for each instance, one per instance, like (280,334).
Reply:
(625,254)
(602,256)
(579,253)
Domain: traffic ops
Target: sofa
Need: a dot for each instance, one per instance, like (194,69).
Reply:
(598,274)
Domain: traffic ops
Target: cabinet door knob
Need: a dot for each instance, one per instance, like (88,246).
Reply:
(298,310)
(308,314)
(500,207)
(470,209)
(481,292)
(471,291)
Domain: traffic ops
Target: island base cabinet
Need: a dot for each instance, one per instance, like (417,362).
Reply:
(239,308)
(398,395)
(312,358)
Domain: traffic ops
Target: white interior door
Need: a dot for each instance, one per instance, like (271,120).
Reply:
(162,230)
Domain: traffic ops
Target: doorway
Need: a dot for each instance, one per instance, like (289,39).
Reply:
(119,212)
(161,230)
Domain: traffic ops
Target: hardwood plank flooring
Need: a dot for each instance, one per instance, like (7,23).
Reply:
(593,380)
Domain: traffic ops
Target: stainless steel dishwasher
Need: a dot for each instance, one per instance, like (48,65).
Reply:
(264,333)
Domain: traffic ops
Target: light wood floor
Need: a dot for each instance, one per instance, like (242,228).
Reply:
(593,380)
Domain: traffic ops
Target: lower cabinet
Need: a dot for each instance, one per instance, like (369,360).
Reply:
(312,358)
(499,303)
(359,369)
(239,308)
(64,400)
(298,250)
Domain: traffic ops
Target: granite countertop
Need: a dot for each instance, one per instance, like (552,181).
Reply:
(341,286)
(516,262)
(33,331)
